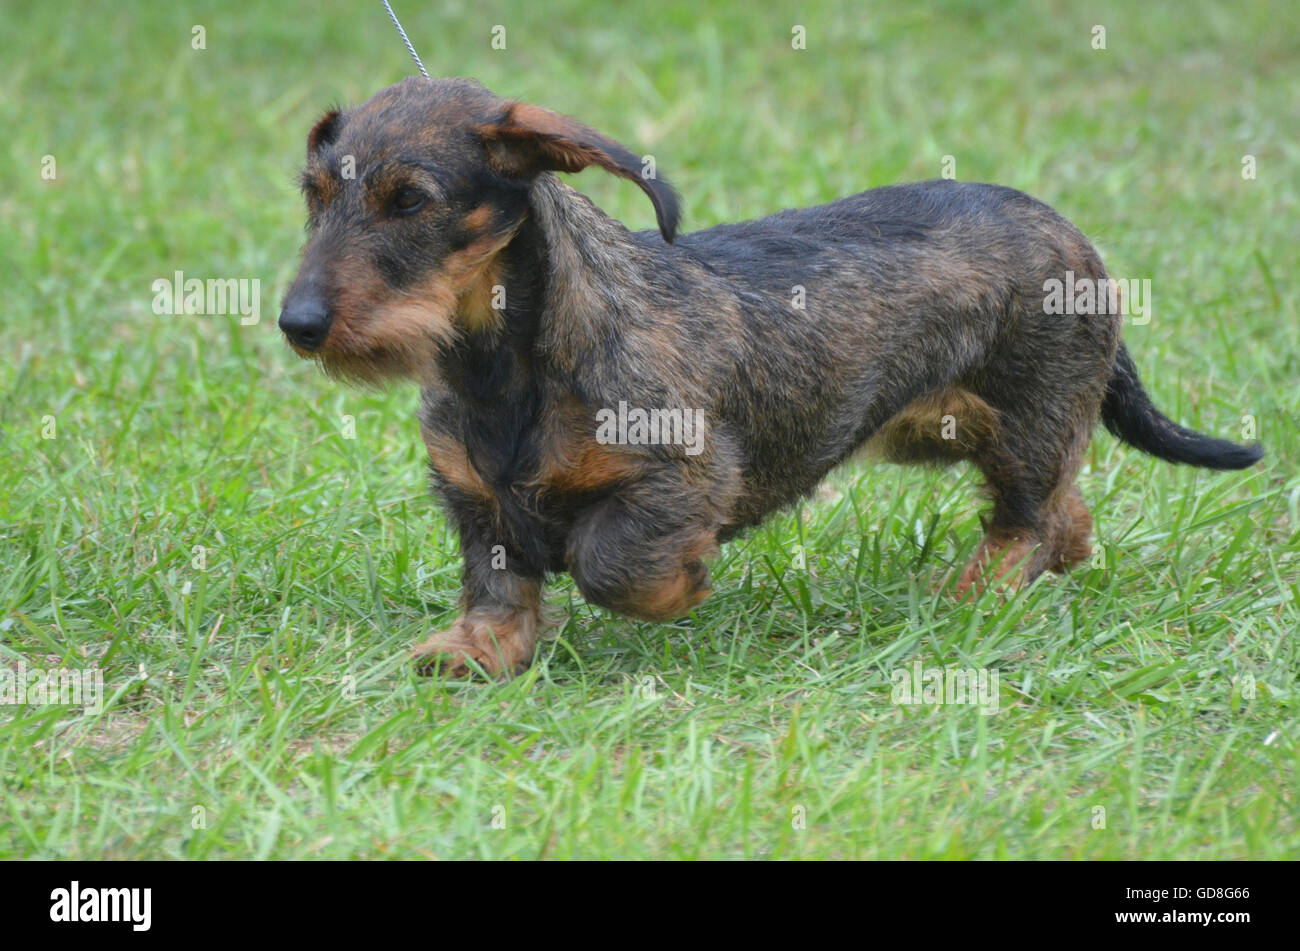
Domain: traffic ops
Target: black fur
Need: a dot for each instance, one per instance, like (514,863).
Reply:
(1130,415)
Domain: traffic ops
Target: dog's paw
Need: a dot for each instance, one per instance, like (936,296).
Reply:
(501,642)
(1004,565)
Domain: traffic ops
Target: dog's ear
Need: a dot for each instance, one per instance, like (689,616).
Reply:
(325,131)
(528,139)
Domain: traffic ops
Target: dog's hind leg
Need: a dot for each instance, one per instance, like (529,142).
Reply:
(1039,521)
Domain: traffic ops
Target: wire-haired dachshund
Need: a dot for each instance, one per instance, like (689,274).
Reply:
(615,404)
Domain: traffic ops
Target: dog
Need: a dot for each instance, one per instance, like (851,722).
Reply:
(554,348)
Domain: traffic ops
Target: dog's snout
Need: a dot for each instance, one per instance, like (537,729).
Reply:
(306,321)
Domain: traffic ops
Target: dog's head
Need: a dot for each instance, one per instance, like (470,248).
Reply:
(411,199)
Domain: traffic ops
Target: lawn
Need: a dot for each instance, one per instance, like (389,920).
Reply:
(244,549)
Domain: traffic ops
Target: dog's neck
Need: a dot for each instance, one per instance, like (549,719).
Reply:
(574,278)
(492,369)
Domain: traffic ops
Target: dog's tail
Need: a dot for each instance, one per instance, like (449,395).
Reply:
(1129,413)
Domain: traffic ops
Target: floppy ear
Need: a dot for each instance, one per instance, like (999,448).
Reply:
(325,131)
(528,139)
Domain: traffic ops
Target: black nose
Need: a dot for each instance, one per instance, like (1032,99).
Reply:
(306,322)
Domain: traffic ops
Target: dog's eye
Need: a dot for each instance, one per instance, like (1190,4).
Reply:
(407,201)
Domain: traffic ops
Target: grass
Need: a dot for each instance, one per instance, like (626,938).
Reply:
(258,701)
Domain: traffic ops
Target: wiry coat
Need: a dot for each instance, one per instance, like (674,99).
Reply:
(908,319)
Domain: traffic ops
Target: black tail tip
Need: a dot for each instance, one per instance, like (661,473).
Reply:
(1234,456)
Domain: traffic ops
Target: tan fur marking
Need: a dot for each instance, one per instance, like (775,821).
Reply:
(416,317)
(327,187)
(674,598)
(1069,530)
(587,466)
(479,218)
(451,460)
(572,460)
(474,273)
(501,640)
(554,136)
(539,120)
(376,333)
(917,433)
(678,595)
(996,562)
(475,311)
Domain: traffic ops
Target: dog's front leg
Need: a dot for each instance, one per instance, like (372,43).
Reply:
(641,551)
(501,604)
